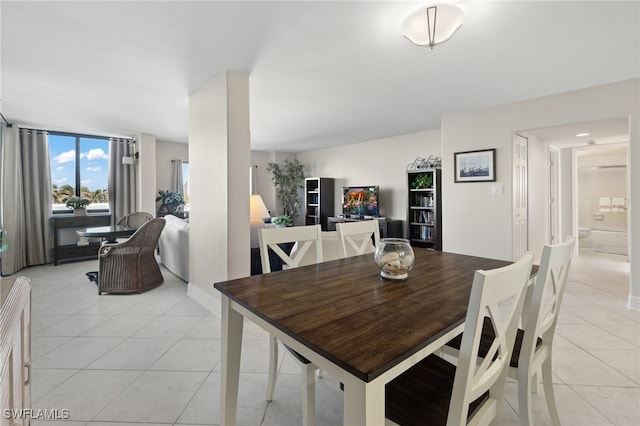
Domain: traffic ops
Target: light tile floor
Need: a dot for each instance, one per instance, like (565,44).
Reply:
(154,358)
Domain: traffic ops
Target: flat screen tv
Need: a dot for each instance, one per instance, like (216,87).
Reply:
(360,201)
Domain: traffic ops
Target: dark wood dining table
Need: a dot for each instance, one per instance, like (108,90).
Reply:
(351,323)
(109,233)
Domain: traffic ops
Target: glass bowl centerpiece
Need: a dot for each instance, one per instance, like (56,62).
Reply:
(394,257)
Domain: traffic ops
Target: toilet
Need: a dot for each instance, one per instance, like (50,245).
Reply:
(583,232)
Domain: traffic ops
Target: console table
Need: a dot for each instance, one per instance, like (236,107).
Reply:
(389,228)
(65,238)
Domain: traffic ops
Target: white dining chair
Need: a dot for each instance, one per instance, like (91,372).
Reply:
(535,341)
(437,392)
(357,238)
(533,344)
(271,240)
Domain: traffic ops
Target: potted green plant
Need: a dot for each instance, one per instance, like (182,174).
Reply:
(423,180)
(282,221)
(171,202)
(288,179)
(79,205)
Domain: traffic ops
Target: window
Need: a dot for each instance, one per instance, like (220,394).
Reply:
(79,167)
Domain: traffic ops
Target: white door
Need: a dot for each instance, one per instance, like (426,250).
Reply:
(520,196)
(554,196)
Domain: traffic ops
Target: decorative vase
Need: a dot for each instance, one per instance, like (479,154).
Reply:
(394,257)
(80,212)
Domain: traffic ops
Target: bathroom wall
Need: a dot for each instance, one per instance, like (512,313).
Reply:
(602,201)
(602,193)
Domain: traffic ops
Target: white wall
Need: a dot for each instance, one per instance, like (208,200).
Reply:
(165,152)
(381,162)
(596,181)
(146,170)
(264,186)
(475,222)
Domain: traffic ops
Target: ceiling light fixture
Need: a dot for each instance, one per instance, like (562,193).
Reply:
(579,135)
(432,25)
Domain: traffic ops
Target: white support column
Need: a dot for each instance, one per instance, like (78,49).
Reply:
(219,156)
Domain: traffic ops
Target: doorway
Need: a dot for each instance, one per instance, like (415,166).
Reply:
(601,184)
(586,176)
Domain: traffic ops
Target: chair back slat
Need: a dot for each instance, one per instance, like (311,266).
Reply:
(358,236)
(135,220)
(305,236)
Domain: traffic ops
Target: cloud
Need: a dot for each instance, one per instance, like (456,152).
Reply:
(65,157)
(85,182)
(59,168)
(93,169)
(95,154)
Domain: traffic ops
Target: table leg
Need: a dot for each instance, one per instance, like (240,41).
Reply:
(93,276)
(232,323)
(363,402)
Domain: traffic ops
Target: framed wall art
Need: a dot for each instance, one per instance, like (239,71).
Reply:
(475,166)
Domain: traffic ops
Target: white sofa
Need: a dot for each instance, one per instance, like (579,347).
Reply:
(174,246)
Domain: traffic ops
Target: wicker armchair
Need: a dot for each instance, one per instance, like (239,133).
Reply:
(135,219)
(131,266)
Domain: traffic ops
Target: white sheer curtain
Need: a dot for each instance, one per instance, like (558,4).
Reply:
(177,178)
(26,199)
(122,178)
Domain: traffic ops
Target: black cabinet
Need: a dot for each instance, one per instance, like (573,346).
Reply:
(424,212)
(65,238)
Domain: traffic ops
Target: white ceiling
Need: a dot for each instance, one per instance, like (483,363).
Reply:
(321,73)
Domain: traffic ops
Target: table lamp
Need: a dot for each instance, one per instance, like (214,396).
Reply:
(257,212)
(257,209)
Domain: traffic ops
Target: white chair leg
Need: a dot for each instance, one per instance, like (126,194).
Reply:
(273,367)
(534,382)
(308,394)
(547,383)
(525,411)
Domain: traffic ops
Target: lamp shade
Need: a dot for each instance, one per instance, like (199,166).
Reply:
(432,25)
(257,208)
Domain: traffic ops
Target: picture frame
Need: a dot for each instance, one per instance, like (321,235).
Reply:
(475,166)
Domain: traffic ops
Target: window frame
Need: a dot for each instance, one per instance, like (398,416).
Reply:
(77,183)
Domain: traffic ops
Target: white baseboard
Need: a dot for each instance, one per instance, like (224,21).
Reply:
(208,300)
(633,303)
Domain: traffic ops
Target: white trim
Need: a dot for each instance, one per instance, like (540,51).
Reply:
(633,303)
(208,300)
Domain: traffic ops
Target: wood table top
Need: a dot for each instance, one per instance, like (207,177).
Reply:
(346,312)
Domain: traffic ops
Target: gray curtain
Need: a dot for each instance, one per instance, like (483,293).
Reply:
(122,179)
(26,199)
(176,177)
